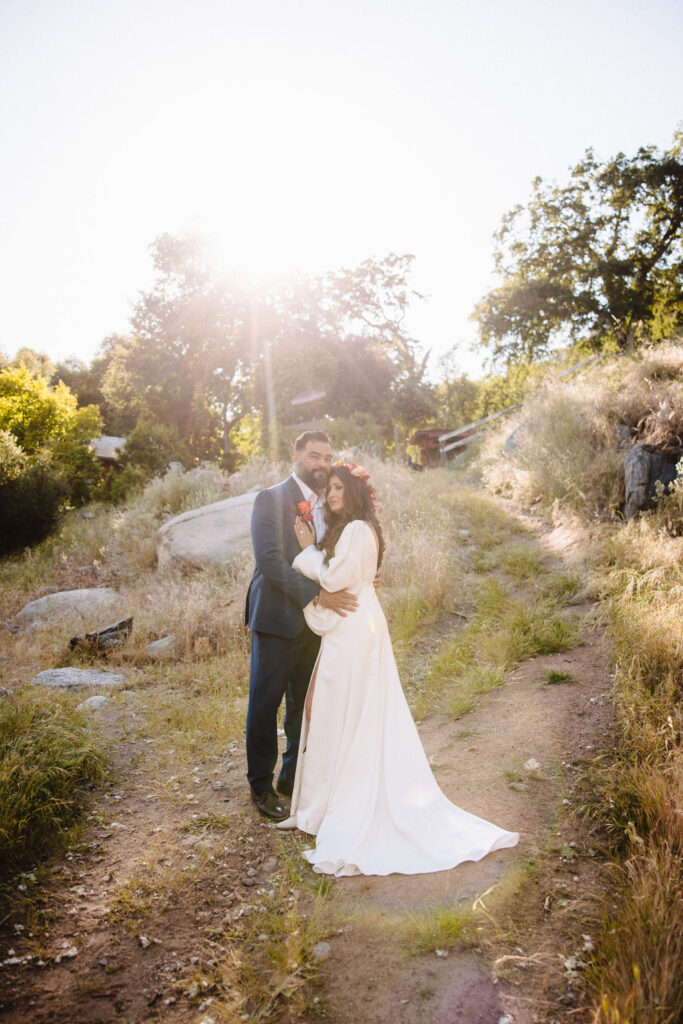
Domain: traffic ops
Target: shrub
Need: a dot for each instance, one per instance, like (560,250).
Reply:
(31,502)
(151,446)
(46,754)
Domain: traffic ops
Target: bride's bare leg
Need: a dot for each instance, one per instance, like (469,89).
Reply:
(309,694)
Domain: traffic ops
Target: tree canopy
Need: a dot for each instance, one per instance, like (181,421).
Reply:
(600,257)
(207,352)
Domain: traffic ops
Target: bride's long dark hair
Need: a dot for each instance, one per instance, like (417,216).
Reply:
(358,504)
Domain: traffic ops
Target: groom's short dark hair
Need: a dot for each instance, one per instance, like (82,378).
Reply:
(311,435)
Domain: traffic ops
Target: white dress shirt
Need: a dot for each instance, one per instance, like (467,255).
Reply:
(317,504)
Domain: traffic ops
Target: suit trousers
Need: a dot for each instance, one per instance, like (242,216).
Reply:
(280,667)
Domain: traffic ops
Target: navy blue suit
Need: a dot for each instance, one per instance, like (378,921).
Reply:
(283,649)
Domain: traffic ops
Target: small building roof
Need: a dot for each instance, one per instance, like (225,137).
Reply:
(107,448)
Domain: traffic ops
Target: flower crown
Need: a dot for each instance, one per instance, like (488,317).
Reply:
(360,472)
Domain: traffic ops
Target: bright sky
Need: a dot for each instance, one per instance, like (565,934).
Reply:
(300,134)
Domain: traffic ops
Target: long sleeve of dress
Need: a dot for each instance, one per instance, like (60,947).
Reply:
(342,572)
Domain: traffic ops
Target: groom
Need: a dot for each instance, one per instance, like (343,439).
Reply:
(283,648)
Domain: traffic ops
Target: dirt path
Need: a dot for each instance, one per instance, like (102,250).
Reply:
(526,719)
(133,921)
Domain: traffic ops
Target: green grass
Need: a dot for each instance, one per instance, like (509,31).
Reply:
(439,928)
(47,753)
(554,678)
(504,630)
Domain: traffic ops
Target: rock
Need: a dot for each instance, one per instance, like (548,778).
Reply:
(636,478)
(513,440)
(207,536)
(107,637)
(160,650)
(78,679)
(144,941)
(85,602)
(518,787)
(321,950)
(93,703)
(643,470)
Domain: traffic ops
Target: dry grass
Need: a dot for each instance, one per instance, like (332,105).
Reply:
(566,456)
(565,451)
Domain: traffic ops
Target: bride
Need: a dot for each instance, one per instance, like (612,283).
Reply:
(363,784)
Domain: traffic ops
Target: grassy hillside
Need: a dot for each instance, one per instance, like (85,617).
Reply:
(566,461)
(468,595)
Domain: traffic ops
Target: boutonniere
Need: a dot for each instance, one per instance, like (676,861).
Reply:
(304,510)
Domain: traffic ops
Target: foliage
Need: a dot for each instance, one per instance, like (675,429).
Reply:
(46,754)
(457,397)
(38,364)
(31,502)
(11,457)
(72,456)
(337,347)
(601,256)
(48,460)
(185,363)
(207,352)
(149,449)
(86,382)
(32,411)
(151,446)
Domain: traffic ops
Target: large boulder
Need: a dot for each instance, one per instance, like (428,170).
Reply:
(643,469)
(207,536)
(83,605)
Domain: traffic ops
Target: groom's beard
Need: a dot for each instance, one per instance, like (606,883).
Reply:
(315,478)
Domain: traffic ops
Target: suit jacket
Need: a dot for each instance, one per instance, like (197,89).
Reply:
(277,593)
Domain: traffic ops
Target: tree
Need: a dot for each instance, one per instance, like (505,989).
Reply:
(456,395)
(48,427)
(208,351)
(336,347)
(598,258)
(31,410)
(186,361)
(37,363)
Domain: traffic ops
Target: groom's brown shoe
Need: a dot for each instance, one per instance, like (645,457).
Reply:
(285,786)
(268,804)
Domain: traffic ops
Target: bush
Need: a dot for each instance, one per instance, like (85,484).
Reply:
(31,502)
(149,449)
(46,754)
(151,446)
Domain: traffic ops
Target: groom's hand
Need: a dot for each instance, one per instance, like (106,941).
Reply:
(341,601)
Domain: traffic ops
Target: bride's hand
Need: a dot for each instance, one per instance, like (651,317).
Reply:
(305,533)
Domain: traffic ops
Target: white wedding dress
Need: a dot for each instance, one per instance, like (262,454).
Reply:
(363,784)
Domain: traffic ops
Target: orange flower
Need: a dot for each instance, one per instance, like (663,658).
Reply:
(304,510)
